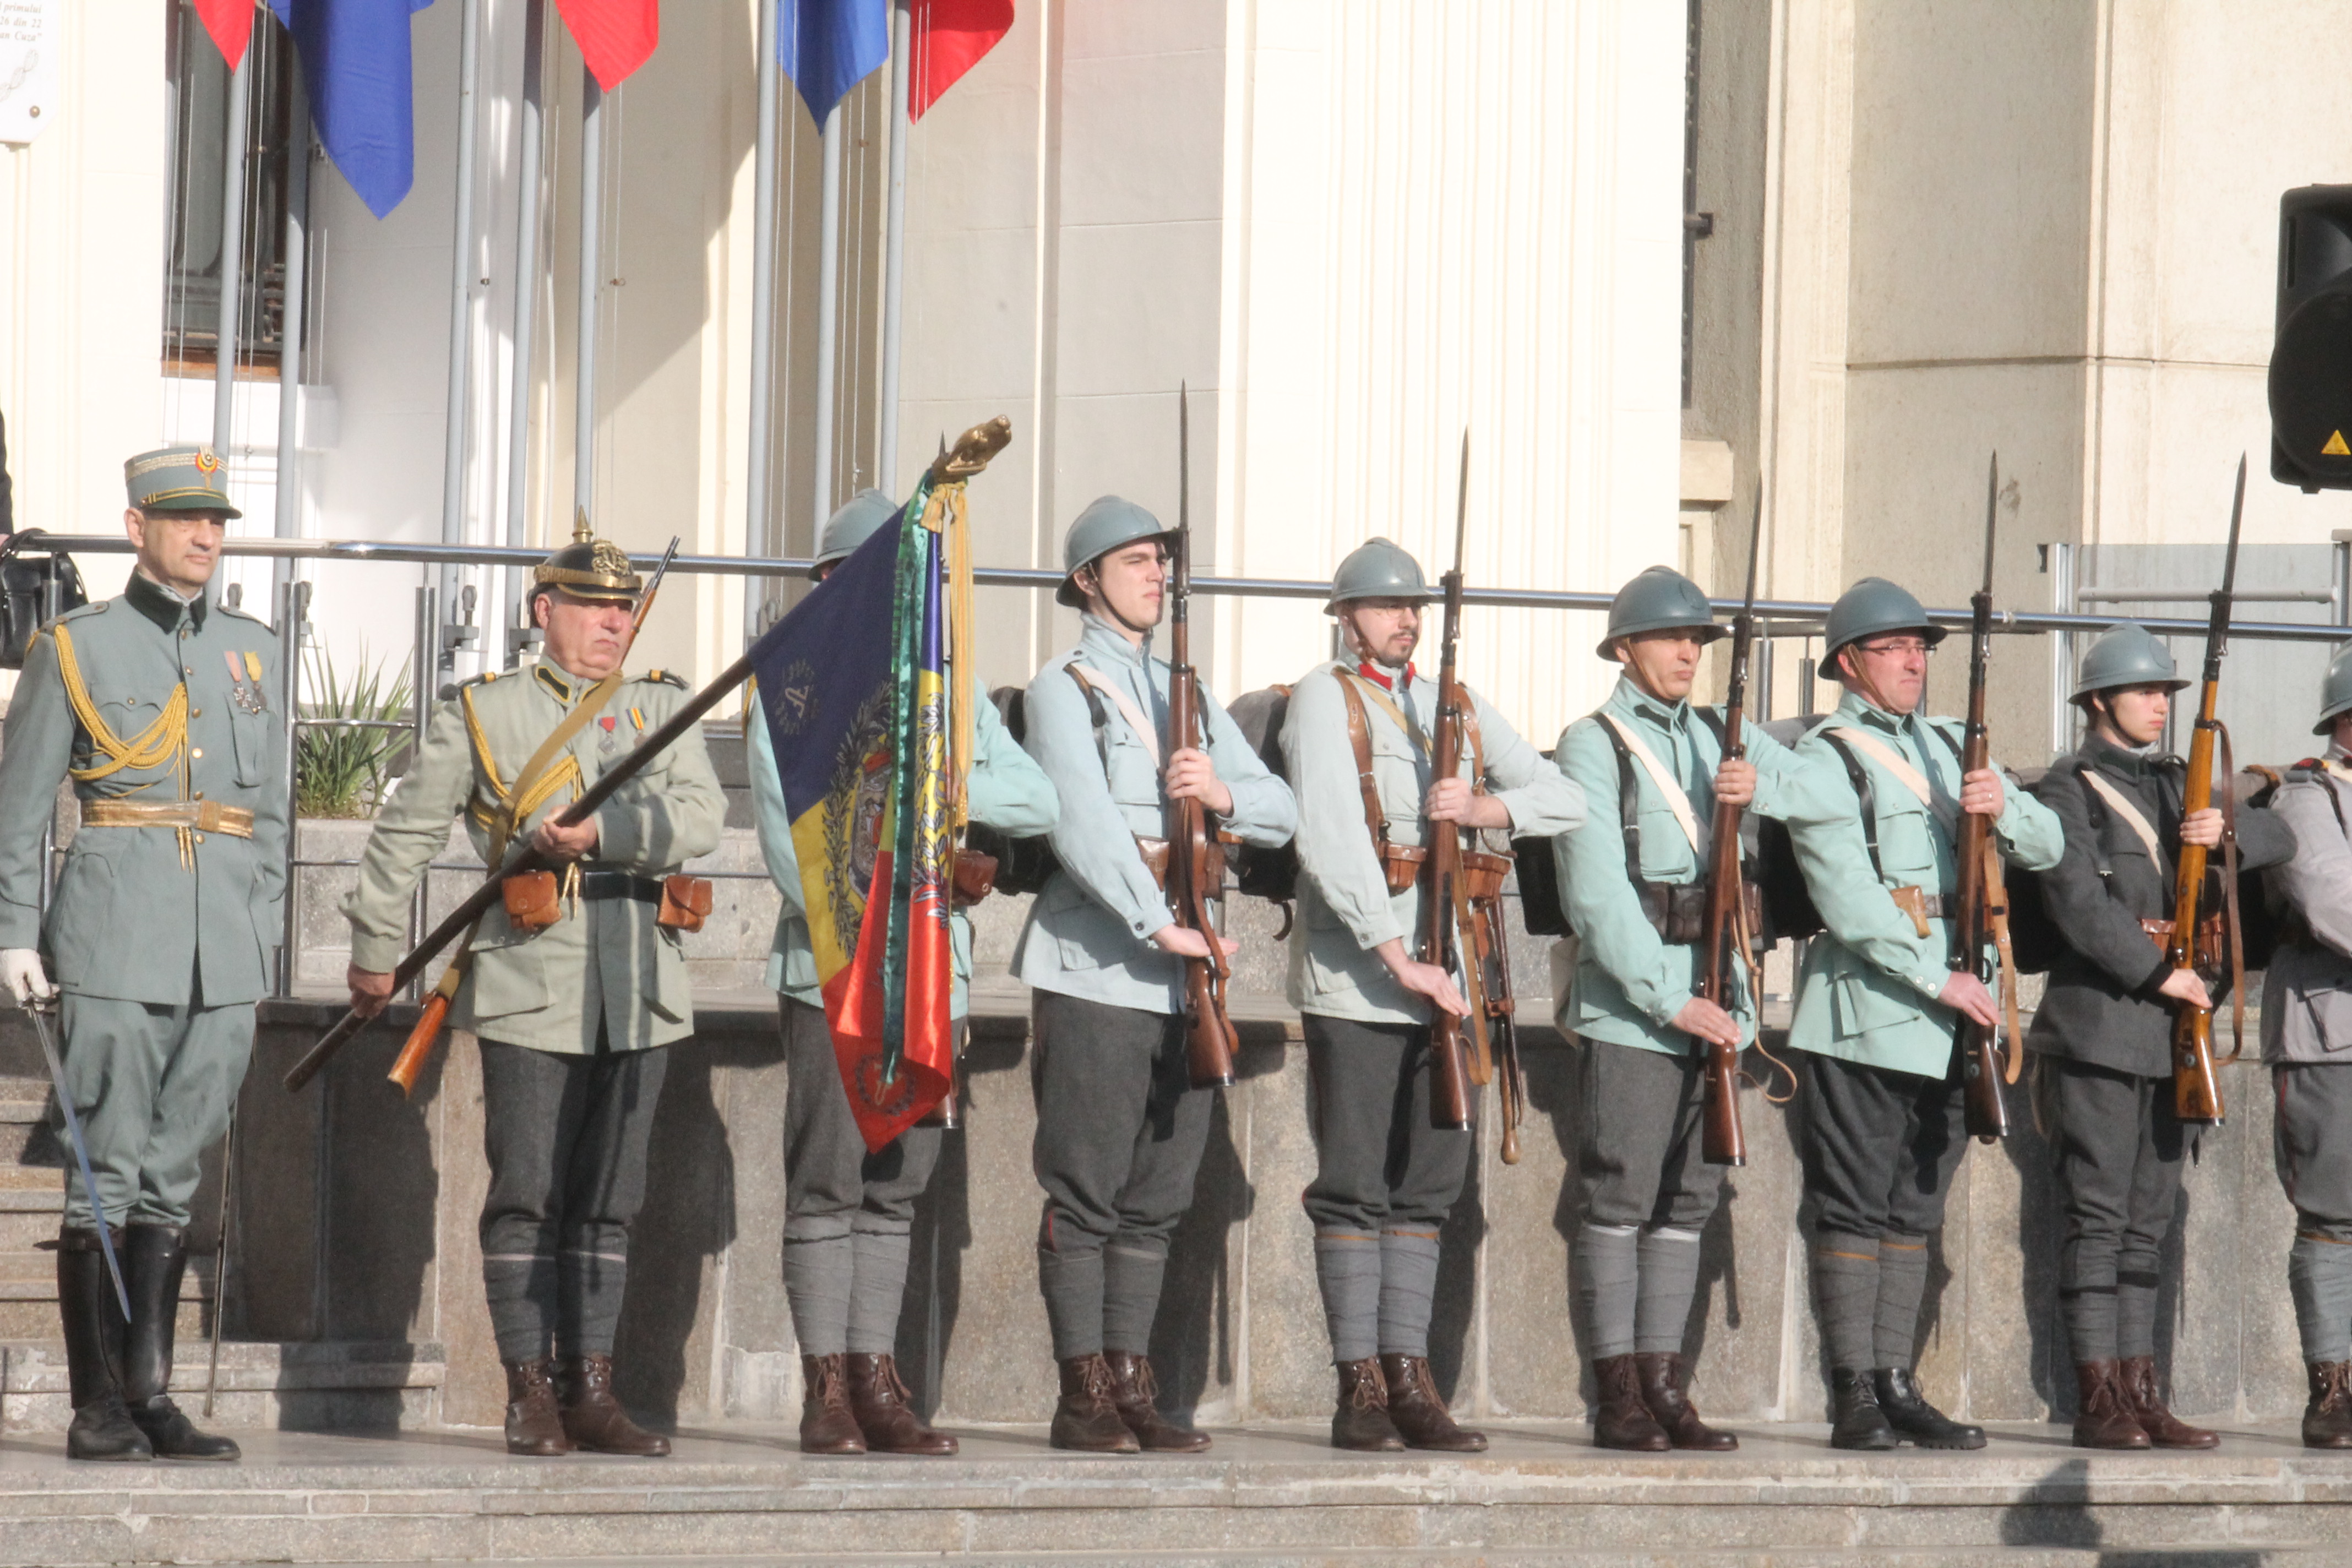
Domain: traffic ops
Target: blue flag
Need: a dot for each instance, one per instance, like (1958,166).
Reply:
(355,65)
(828,47)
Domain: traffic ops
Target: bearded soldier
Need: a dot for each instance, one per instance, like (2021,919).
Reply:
(2102,1038)
(1357,742)
(162,706)
(1121,1129)
(848,1212)
(1877,1004)
(1651,768)
(570,985)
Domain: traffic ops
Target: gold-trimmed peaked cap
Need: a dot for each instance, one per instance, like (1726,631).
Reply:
(179,478)
(590,568)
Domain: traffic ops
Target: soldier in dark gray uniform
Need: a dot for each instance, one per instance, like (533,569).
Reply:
(2102,1037)
(161,707)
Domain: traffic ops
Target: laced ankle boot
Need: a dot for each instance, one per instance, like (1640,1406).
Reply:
(2164,1429)
(1419,1410)
(1856,1422)
(1135,1389)
(1361,1422)
(878,1400)
(154,1260)
(1622,1418)
(94,1331)
(2327,1419)
(1660,1374)
(1909,1412)
(593,1417)
(828,1424)
(534,1424)
(1087,1420)
(2106,1418)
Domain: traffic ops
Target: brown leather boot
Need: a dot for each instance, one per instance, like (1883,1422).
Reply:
(534,1424)
(1660,1374)
(594,1420)
(1622,1418)
(1419,1411)
(2163,1428)
(1086,1419)
(2107,1421)
(827,1425)
(1136,1392)
(1361,1422)
(2327,1419)
(878,1400)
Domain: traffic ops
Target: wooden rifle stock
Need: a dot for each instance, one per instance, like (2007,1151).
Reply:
(1195,866)
(1721,1140)
(417,1050)
(1443,891)
(1975,1047)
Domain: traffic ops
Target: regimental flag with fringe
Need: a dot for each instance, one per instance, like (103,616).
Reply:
(853,685)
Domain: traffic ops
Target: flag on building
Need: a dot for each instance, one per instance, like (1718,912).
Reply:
(946,38)
(230,23)
(355,64)
(615,36)
(853,690)
(828,47)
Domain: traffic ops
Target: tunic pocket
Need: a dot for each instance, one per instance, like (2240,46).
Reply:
(249,740)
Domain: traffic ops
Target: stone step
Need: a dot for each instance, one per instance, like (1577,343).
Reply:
(260,1386)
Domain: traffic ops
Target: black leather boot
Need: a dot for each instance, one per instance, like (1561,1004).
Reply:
(1858,1422)
(1911,1415)
(155,1257)
(94,1327)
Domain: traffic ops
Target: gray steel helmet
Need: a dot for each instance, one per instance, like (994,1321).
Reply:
(1870,607)
(2125,654)
(1377,569)
(2335,690)
(858,520)
(1105,525)
(1658,600)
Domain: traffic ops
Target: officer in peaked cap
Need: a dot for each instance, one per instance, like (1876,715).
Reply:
(161,707)
(574,982)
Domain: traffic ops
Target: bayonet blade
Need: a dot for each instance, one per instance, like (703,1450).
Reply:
(1462,503)
(2237,518)
(1993,515)
(1755,549)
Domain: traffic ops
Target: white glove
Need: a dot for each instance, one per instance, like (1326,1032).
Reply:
(22,976)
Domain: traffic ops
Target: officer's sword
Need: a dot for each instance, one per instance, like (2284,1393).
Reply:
(37,1008)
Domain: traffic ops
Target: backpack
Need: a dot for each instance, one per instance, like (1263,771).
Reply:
(34,590)
(1024,864)
(1263,872)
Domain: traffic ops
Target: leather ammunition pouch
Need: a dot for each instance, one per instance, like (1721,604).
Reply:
(1155,859)
(1921,907)
(1677,911)
(975,877)
(685,903)
(1401,863)
(533,900)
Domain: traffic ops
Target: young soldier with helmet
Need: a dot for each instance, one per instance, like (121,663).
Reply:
(161,706)
(848,1213)
(1651,766)
(1877,1004)
(1357,742)
(2307,1030)
(572,984)
(2102,1037)
(1121,1129)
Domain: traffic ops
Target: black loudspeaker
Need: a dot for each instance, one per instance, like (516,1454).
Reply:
(2311,361)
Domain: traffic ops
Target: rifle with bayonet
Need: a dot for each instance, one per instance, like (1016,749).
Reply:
(1980,926)
(969,455)
(2196,1086)
(1726,935)
(1196,861)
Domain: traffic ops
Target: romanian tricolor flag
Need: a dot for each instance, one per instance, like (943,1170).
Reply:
(853,689)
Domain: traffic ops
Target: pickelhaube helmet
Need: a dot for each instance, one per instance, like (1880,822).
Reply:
(179,478)
(858,520)
(2125,654)
(2335,690)
(1871,607)
(1108,522)
(1660,599)
(1377,569)
(589,568)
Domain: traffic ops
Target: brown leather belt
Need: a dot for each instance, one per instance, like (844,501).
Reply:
(203,816)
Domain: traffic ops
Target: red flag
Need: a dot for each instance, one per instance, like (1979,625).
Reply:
(855,1010)
(230,23)
(947,39)
(614,35)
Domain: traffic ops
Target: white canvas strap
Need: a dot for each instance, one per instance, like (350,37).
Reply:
(1945,810)
(1143,728)
(2123,806)
(1677,800)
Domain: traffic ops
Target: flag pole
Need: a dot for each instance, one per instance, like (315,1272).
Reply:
(591,194)
(829,278)
(528,159)
(228,323)
(758,441)
(894,263)
(288,521)
(461,319)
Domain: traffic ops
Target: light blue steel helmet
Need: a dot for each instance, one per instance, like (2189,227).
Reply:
(1377,569)
(1660,599)
(2125,653)
(1872,607)
(2335,690)
(859,518)
(1107,523)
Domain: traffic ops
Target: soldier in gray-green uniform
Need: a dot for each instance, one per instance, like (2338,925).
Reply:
(163,706)
(848,1212)
(1385,1180)
(1121,1129)
(1878,1003)
(1651,768)
(568,1014)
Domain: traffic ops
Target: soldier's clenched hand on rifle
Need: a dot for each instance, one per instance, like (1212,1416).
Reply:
(1192,776)
(1453,800)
